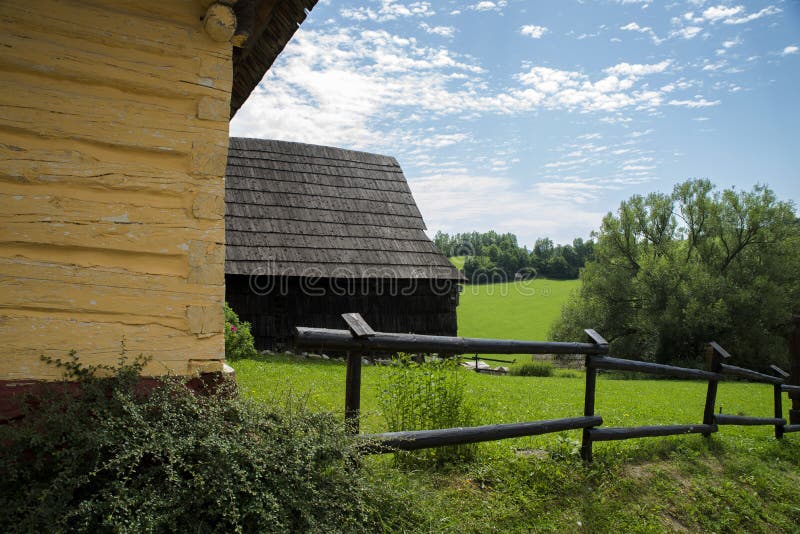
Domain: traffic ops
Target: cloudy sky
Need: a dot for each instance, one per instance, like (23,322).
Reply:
(538,117)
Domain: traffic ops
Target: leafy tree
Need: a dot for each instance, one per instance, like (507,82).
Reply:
(672,272)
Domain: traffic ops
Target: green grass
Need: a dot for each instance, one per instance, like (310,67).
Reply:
(458,261)
(741,479)
(514,310)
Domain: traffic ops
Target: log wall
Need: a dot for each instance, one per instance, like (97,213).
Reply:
(113,142)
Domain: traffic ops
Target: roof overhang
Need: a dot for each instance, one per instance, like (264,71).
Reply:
(263,27)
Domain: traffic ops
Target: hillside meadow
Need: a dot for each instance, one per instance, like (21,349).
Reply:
(741,479)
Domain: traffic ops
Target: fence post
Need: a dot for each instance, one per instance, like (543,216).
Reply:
(794,354)
(777,394)
(352,394)
(359,329)
(714,357)
(589,393)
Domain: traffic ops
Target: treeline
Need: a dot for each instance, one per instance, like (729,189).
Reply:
(673,271)
(493,257)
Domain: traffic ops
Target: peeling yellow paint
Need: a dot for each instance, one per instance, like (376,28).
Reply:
(113,142)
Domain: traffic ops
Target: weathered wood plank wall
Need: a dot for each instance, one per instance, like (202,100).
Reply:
(113,143)
(388,305)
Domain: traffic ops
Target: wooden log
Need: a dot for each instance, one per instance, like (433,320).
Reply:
(424,439)
(595,338)
(714,356)
(741,372)
(780,372)
(321,338)
(357,325)
(618,433)
(794,355)
(352,395)
(220,22)
(791,428)
(605,362)
(747,420)
(777,396)
(588,408)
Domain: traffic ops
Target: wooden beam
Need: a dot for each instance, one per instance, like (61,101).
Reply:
(746,420)
(741,372)
(618,433)
(322,338)
(605,362)
(358,326)
(425,439)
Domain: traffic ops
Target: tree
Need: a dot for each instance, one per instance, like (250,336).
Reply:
(672,272)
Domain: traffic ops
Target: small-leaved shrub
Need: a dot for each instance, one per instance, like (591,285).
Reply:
(427,396)
(239,342)
(104,455)
(532,369)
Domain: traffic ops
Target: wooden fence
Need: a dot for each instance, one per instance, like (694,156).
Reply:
(360,339)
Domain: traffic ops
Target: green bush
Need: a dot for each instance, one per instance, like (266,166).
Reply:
(427,396)
(104,456)
(532,369)
(239,342)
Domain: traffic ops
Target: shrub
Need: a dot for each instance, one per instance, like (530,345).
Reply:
(532,369)
(239,342)
(105,456)
(426,396)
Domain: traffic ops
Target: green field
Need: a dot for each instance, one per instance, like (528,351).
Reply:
(458,261)
(739,479)
(514,310)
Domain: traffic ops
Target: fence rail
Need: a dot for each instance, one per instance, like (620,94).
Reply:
(360,339)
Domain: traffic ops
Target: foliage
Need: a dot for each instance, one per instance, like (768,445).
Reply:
(532,369)
(427,396)
(490,257)
(239,342)
(672,272)
(103,455)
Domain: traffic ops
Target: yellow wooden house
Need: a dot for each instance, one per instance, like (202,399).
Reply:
(113,141)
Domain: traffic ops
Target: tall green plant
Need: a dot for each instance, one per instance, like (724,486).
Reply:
(427,396)
(239,342)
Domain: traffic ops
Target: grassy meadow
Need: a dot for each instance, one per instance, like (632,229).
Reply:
(512,310)
(739,479)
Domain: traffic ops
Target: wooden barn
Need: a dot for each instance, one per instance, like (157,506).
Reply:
(313,232)
(114,123)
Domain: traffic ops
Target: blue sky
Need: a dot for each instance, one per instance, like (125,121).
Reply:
(537,117)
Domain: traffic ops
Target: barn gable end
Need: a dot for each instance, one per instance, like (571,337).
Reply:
(341,231)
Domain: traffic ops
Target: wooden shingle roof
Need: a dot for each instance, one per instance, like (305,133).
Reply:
(294,209)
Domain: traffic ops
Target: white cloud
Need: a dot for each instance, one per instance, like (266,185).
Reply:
(443,31)
(634,27)
(532,31)
(790,50)
(627,69)
(388,10)
(716,13)
(689,32)
(489,5)
(769,10)
(697,103)
(732,42)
